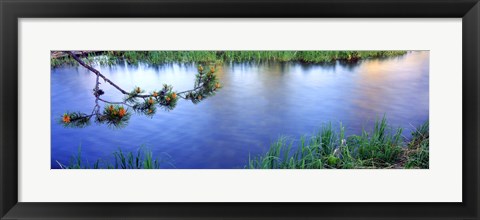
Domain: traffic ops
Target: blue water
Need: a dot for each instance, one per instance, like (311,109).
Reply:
(258,103)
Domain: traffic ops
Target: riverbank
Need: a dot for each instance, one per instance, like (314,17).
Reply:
(382,148)
(58,58)
(379,149)
(141,159)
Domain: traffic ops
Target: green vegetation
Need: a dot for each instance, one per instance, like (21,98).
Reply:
(382,148)
(417,153)
(303,56)
(141,159)
(158,57)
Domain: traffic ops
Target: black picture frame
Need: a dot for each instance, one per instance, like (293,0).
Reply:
(12,10)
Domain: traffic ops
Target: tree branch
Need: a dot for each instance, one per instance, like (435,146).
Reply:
(118,116)
(95,71)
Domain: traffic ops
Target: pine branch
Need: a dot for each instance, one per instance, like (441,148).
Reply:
(115,114)
(95,71)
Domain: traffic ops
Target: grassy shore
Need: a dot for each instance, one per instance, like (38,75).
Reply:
(329,148)
(159,57)
(381,148)
(141,159)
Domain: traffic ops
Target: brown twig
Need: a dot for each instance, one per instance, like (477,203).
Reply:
(96,72)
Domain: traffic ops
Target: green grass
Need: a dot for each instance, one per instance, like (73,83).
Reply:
(418,152)
(140,159)
(158,57)
(383,147)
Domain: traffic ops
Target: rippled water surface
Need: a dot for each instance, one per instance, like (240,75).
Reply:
(258,103)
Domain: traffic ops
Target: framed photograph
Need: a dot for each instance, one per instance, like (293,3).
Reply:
(249,110)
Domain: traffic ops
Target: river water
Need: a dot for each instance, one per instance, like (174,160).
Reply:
(259,102)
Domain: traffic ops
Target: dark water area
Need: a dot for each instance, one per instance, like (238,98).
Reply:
(259,102)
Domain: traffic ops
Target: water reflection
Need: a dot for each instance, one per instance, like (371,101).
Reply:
(258,103)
